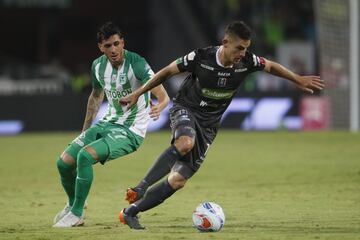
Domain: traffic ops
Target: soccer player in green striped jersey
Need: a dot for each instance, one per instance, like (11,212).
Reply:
(117,73)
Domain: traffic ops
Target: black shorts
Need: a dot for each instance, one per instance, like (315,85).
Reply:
(184,123)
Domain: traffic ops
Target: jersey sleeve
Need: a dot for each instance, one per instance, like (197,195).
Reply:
(254,63)
(94,77)
(142,70)
(187,63)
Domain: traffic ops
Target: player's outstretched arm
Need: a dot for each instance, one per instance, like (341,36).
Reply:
(95,99)
(163,101)
(305,83)
(156,80)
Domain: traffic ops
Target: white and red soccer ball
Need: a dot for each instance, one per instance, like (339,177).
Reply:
(208,217)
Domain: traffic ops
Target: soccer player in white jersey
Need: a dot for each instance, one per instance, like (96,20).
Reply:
(117,73)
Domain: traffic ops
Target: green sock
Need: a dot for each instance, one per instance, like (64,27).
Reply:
(67,178)
(83,180)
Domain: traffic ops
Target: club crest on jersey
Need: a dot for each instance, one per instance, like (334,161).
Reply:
(222,82)
(122,78)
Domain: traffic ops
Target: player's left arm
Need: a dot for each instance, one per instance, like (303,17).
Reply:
(163,100)
(305,83)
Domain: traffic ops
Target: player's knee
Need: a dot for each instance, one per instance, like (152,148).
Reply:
(64,168)
(67,158)
(176,180)
(184,144)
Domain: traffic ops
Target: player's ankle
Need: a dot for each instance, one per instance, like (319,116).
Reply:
(131,211)
(142,186)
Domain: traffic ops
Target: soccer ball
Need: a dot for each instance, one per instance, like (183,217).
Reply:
(208,217)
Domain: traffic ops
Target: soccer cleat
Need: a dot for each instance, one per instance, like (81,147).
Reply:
(69,220)
(66,209)
(131,221)
(62,213)
(134,194)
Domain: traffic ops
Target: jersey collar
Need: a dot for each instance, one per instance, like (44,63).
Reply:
(218,57)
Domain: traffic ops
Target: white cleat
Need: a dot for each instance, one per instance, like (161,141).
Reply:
(62,213)
(69,220)
(66,209)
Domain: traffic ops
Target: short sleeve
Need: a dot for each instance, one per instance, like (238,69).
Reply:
(95,76)
(142,70)
(187,63)
(254,63)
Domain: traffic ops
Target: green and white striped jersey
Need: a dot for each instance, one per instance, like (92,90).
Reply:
(119,82)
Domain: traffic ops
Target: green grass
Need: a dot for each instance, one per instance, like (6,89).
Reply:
(272,185)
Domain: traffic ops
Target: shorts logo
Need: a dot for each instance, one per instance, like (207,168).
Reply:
(203,104)
(199,162)
(79,142)
(117,134)
(202,158)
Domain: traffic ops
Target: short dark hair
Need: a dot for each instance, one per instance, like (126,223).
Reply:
(107,30)
(240,29)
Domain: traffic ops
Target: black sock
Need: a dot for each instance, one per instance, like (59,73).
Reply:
(160,168)
(155,196)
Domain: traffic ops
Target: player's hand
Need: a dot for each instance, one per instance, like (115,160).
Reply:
(310,83)
(129,100)
(154,111)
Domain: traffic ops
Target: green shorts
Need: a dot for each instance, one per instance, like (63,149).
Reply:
(119,139)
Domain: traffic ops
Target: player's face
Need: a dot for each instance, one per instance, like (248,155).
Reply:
(113,48)
(235,48)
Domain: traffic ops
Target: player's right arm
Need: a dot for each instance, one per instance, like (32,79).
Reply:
(156,80)
(182,64)
(95,99)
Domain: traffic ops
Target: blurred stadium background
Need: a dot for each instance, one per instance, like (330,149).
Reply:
(47,47)
(288,184)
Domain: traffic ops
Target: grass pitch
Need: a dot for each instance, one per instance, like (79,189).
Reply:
(271,185)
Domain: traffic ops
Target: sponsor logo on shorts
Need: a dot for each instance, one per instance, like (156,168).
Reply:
(117,134)
(203,104)
(79,142)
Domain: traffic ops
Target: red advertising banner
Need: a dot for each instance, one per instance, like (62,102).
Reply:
(315,112)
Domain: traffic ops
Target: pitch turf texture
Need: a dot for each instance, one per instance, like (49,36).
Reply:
(271,185)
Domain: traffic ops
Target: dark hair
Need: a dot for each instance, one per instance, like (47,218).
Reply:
(107,30)
(240,29)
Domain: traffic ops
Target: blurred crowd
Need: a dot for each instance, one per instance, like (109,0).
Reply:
(281,28)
